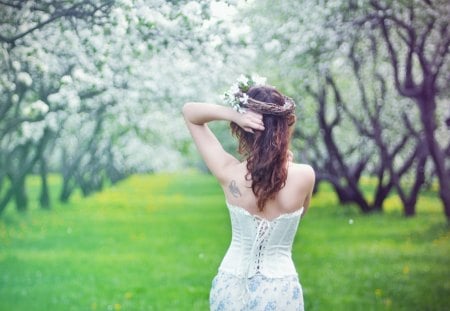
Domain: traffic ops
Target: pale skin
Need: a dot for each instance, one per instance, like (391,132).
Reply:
(230,172)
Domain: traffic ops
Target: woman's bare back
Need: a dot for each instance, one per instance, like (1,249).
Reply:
(293,196)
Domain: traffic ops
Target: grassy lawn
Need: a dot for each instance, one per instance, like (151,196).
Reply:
(155,242)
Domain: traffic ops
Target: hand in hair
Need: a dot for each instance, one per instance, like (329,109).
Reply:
(250,121)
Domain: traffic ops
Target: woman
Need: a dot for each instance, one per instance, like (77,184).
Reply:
(266,195)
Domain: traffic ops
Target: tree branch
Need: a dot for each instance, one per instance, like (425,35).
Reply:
(11,40)
(77,10)
(12,5)
(338,100)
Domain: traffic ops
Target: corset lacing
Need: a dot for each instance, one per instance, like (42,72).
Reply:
(262,233)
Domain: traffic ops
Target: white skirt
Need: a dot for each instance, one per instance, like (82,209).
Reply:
(231,293)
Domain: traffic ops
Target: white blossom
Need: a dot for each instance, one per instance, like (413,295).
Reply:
(52,120)
(36,108)
(15,98)
(24,78)
(16,65)
(32,131)
(66,79)
(10,86)
(237,96)
(234,88)
(272,46)
(244,99)
(242,80)
(258,80)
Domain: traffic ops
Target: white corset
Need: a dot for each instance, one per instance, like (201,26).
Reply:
(260,246)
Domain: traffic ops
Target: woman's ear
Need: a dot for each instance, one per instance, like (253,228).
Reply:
(292,119)
(290,156)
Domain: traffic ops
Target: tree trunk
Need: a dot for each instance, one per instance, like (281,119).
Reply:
(348,195)
(427,116)
(409,208)
(445,196)
(44,198)
(67,171)
(66,191)
(342,193)
(361,201)
(381,195)
(20,195)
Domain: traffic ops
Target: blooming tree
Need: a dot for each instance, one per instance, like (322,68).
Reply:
(97,95)
(24,87)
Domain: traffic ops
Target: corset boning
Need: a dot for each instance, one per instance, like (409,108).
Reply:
(260,246)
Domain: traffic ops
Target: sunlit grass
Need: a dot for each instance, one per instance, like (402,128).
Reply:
(155,242)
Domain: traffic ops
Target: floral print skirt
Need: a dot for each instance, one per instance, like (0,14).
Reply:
(232,293)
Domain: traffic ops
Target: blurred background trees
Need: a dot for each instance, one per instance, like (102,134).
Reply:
(93,89)
(362,74)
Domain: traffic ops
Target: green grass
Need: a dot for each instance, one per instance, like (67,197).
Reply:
(155,242)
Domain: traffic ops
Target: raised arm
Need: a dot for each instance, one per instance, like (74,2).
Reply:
(197,115)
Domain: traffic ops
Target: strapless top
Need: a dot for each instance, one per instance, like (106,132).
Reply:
(259,245)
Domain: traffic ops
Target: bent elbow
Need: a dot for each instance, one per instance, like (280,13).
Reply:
(185,109)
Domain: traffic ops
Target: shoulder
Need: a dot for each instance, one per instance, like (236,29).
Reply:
(303,173)
(303,168)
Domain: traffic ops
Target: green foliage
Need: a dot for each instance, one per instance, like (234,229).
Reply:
(155,242)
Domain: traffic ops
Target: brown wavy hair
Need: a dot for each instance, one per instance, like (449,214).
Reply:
(266,151)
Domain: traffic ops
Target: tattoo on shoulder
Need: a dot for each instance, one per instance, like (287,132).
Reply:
(234,189)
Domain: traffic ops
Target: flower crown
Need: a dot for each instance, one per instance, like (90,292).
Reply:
(238,99)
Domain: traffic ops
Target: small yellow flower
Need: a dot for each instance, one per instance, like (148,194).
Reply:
(405,269)
(378,292)
(388,302)
(117,306)
(128,295)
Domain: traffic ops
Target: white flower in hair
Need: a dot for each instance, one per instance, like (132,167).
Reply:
(234,88)
(258,80)
(236,96)
(244,99)
(242,80)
